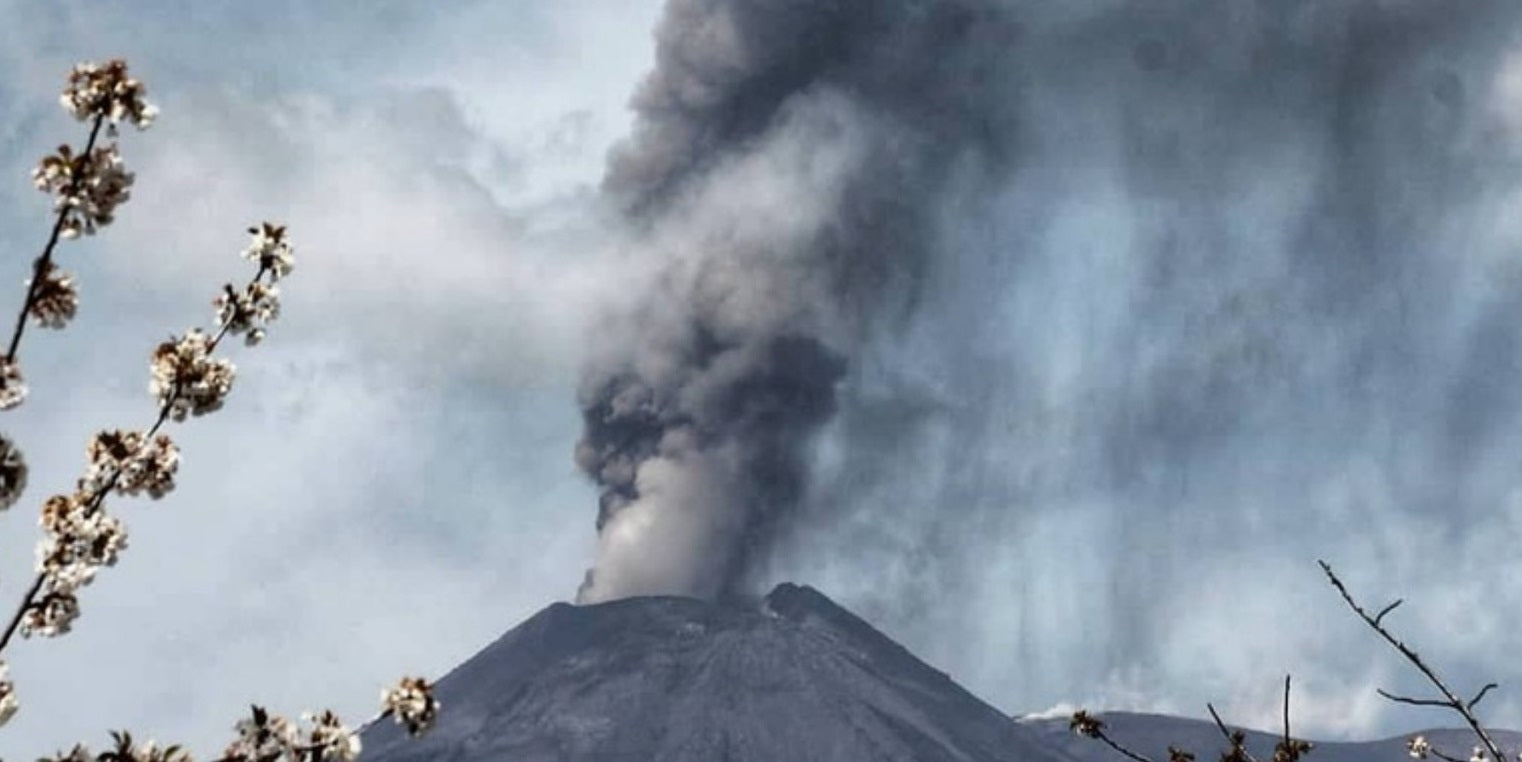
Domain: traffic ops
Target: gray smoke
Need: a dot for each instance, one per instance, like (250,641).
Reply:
(783,177)
(1248,295)
(1115,309)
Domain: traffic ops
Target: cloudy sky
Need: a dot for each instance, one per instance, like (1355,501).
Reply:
(1209,291)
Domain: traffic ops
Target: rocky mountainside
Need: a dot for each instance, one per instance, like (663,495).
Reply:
(790,678)
(794,677)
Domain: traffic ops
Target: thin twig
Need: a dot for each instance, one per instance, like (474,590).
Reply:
(1413,701)
(1451,700)
(1440,755)
(1481,694)
(1381,615)
(1123,750)
(1287,742)
(40,265)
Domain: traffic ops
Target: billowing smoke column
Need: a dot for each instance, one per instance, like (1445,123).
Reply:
(781,179)
(1248,294)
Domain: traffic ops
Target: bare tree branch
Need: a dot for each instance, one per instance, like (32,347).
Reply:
(1135,757)
(1381,615)
(1481,694)
(1286,710)
(1413,701)
(1451,701)
(1444,757)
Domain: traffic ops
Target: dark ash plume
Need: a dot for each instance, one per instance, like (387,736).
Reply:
(782,179)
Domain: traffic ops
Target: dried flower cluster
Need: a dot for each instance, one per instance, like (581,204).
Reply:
(106,91)
(13,473)
(131,464)
(187,379)
(412,704)
(87,188)
(54,299)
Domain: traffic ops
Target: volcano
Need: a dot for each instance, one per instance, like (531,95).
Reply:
(791,677)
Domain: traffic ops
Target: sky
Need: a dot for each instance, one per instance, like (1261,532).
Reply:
(1199,293)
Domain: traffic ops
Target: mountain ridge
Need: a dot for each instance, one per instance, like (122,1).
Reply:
(791,676)
(1152,734)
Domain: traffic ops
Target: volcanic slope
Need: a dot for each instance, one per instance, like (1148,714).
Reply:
(791,678)
(659,679)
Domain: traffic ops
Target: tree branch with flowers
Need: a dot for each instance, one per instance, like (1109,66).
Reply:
(187,380)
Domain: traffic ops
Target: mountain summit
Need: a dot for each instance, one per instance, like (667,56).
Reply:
(792,677)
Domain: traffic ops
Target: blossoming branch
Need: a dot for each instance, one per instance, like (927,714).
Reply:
(79,536)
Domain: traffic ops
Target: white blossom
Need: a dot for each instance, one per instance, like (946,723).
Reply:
(331,738)
(51,615)
(270,250)
(13,473)
(411,703)
(87,188)
(1418,747)
(56,299)
(76,542)
(247,311)
(187,379)
(262,736)
(136,464)
(105,90)
(8,702)
(12,385)
(124,750)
